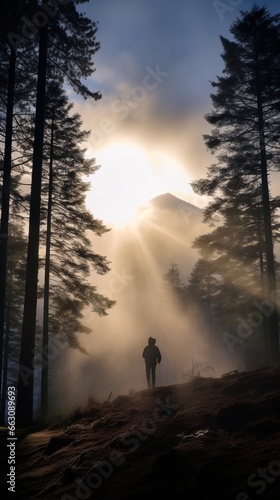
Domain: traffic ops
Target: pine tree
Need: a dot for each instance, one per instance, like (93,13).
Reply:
(66,46)
(16,261)
(15,83)
(67,267)
(172,279)
(235,250)
(173,286)
(245,118)
(202,290)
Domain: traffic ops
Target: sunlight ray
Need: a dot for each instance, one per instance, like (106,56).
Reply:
(166,232)
(147,255)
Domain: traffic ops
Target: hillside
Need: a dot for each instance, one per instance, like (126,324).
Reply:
(207,439)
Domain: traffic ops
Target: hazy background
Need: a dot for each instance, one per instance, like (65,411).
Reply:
(140,254)
(148,142)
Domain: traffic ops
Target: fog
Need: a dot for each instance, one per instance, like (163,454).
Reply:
(140,254)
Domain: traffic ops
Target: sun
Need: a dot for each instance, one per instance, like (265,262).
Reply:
(123,183)
(129,176)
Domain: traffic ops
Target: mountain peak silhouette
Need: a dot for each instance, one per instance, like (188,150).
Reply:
(171,202)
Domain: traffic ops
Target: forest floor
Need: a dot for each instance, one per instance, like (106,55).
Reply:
(212,438)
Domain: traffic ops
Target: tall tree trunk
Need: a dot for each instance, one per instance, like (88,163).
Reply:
(209,317)
(45,346)
(263,287)
(270,263)
(6,201)
(24,408)
(6,361)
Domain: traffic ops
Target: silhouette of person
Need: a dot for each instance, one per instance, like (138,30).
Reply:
(152,355)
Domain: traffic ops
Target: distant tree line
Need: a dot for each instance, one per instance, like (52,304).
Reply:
(46,253)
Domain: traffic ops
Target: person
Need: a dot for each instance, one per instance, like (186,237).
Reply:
(152,355)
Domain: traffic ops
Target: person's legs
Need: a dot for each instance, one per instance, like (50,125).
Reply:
(148,374)
(153,375)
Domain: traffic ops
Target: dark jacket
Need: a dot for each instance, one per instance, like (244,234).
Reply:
(151,355)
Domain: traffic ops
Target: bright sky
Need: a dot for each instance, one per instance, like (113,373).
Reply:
(154,68)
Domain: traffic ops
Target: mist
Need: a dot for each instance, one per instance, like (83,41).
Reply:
(140,254)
